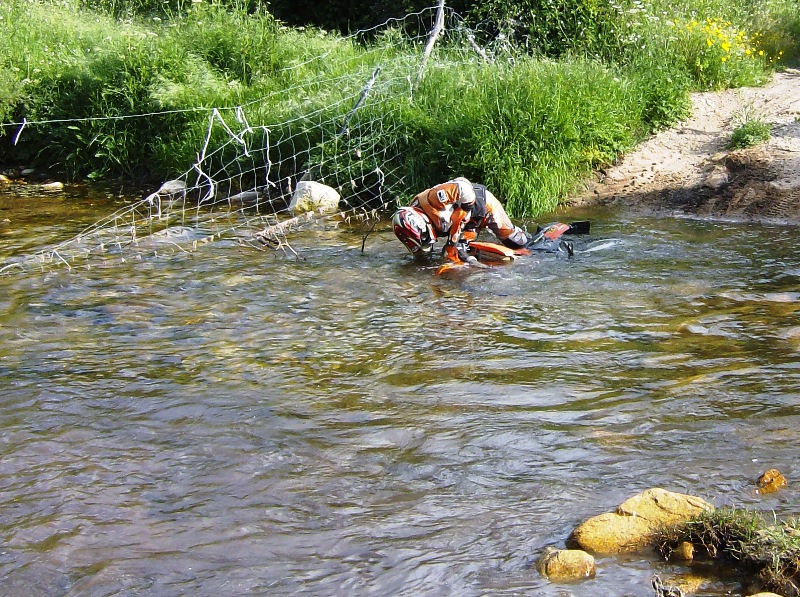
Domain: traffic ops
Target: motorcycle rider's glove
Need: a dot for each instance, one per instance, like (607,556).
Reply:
(456,252)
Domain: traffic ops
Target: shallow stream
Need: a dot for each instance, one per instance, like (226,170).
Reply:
(231,422)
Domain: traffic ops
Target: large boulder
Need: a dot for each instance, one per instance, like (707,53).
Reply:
(662,507)
(313,196)
(566,564)
(611,533)
(632,526)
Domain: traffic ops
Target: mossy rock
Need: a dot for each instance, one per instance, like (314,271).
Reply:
(632,527)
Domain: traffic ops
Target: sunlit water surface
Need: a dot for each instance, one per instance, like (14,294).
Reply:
(231,422)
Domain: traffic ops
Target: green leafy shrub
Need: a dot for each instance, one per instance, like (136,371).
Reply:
(719,54)
(751,131)
(555,28)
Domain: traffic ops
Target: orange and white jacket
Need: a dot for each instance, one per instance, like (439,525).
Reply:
(448,206)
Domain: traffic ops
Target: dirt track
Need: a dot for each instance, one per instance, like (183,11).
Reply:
(688,169)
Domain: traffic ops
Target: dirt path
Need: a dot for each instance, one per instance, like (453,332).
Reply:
(688,169)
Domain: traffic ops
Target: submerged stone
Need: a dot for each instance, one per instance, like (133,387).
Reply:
(679,585)
(685,551)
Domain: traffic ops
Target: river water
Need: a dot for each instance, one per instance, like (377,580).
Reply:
(231,422)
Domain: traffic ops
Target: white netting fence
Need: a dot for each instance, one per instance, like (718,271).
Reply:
(249,174)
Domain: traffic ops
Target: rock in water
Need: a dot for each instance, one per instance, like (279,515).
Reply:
(314,196)
(171,187)
(632,526)
(770,481)
(566,564)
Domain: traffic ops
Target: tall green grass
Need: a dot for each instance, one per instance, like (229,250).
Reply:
(529,127)
(528,131)
(71,65)
(67,64)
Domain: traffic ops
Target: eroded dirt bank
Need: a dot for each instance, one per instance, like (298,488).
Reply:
(688,169)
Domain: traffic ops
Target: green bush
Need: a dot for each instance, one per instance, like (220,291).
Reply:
(161,8)
(555,28)
(103,73)
(665,97)
(752,131)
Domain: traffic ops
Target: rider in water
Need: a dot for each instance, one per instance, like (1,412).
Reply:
(458,210)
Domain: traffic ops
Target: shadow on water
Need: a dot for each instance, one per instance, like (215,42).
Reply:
(228,421)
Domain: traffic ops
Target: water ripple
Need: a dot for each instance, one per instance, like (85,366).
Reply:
(227,422)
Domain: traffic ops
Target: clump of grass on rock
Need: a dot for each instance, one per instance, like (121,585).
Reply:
(767,549)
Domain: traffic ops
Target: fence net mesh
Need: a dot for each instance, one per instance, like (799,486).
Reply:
(250,180)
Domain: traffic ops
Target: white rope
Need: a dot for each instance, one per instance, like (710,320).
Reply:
(244,174)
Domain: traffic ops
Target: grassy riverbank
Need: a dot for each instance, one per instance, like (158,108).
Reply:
(128,99)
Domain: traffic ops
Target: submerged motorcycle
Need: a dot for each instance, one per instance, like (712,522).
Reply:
(548,239)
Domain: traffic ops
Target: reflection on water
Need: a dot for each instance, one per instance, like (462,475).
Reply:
(230,422)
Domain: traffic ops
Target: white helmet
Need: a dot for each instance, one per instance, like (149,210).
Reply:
(414,230)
